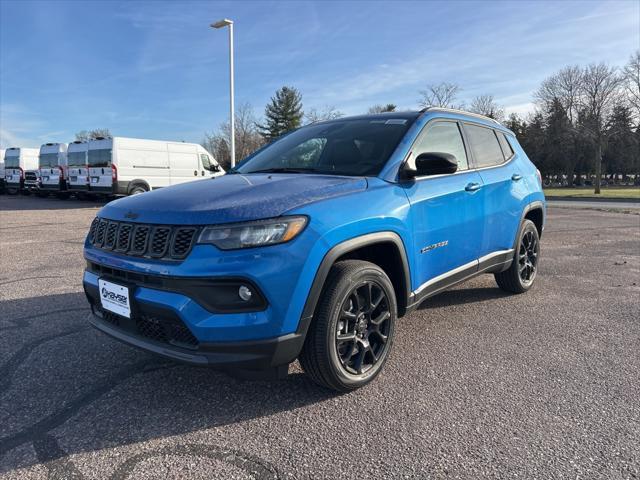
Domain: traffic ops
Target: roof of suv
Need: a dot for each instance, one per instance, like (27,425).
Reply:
(413,115)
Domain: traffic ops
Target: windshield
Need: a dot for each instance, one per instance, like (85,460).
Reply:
(77,159)
(48,160)
(100,158)
(11,162)
(356,147)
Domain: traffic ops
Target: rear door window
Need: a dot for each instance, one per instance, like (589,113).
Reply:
(484,145)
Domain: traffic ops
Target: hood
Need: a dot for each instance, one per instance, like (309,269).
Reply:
(230,198)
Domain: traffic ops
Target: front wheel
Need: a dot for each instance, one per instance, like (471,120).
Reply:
(523,270)
(138,189)
(351,333)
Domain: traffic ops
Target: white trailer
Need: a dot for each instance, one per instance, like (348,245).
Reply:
(78,165)
(17,161)
(127,166)
(53,167)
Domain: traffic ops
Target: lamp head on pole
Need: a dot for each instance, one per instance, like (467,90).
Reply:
(222,23)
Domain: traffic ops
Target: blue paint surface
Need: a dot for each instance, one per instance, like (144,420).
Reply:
(422,212)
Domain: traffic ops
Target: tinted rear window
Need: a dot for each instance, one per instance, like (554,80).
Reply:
(100,158)
(77,159)
(48,160)
(484,145)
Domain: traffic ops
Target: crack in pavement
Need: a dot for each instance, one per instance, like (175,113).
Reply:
(48,423)
(22,322)
(10,367)
(254,466)
(51,455)
(39,277)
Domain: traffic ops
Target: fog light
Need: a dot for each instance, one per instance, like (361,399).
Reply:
(244,293)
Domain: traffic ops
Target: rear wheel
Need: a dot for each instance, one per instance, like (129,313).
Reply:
(350,337)
(523,270)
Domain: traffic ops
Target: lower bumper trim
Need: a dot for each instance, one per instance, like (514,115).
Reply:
(255,355)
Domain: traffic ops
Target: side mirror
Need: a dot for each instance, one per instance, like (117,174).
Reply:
(434,163)
(214,167)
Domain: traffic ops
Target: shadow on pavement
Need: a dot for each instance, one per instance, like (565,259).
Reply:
(66,388)
(462,296)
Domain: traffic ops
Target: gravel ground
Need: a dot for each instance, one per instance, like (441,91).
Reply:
(480,383)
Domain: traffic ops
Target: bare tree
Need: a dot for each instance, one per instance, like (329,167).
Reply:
(600,92)
(84,135)
(247,137)
(486,105)
(631,74)
(389,107)
(440,95)
(326,113)
(564,87)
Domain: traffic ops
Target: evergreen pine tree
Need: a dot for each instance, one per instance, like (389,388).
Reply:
(282,114)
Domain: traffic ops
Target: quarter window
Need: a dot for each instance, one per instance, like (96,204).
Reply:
(484,145)
(441,137)
(506,146)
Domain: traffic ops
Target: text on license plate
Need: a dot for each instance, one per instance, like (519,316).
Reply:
(114,298)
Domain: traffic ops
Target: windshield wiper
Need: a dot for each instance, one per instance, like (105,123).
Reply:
(285,170)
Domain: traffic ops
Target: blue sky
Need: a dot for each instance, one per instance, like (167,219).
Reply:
(156,70)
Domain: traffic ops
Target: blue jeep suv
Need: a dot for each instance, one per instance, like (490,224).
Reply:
(314,246)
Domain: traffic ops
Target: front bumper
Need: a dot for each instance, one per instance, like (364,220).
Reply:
(175,325)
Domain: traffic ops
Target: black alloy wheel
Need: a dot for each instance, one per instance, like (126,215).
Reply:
(363,328)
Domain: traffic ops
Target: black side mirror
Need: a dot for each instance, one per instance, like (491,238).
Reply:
(433,163)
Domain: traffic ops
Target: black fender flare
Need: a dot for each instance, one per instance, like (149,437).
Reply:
(535,205)
(339,250)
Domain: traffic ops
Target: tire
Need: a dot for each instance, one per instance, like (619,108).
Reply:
(137,189)
(524,268)
(358,357)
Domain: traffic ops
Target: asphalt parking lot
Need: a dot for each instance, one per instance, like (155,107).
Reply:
(480,383)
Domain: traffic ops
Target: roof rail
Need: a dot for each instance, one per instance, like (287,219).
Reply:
(461,112)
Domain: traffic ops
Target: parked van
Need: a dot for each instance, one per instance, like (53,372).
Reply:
(53,168)
(127,166)
(1,170)
(78,167)
(16,161)
(32,183)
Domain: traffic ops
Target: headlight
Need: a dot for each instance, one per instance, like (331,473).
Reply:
(253,234)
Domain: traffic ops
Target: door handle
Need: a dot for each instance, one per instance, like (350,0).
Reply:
(472,187)
(516,176)
(195,173)
(202,173)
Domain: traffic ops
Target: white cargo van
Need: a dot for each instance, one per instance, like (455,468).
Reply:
(78,166)
(16,162)
(1,170)
(53,168)
(127,166)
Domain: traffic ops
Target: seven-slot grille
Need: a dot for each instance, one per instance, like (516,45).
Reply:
(157,241)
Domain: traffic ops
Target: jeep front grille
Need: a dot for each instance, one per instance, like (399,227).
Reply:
(157,241)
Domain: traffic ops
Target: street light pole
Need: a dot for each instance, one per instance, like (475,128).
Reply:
(232,118)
